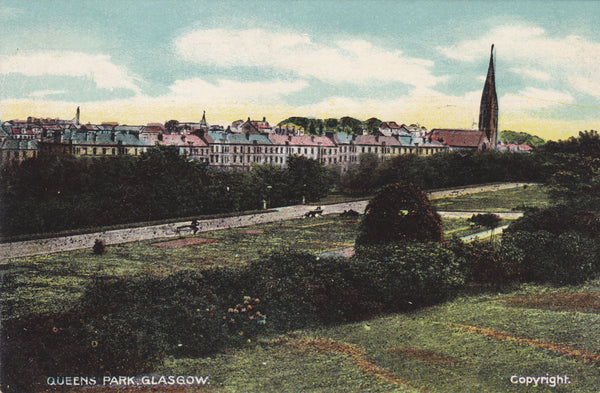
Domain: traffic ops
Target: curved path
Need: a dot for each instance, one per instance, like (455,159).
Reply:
(67,243)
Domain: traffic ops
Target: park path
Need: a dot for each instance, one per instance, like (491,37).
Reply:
(68,243)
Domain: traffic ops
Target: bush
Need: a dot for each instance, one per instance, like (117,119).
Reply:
(399,212)
(301,290)
(409,275)
(99,247)
(558,220)
(567,258)
(489,263)
(293,288)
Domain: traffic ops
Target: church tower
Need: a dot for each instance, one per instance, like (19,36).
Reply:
(488,111)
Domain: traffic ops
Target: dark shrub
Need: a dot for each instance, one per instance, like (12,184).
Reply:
(99,247)
(489,263)
(566,258)
(408,275)
(293,286)
(557,220)
(399,212)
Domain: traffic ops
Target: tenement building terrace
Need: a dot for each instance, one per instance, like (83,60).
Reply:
(237,147)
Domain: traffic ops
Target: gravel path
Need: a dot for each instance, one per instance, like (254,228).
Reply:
(67,243)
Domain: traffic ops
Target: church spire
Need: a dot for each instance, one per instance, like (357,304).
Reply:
(75,121)
(488,111)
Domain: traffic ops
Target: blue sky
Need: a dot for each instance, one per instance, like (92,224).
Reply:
(409,61)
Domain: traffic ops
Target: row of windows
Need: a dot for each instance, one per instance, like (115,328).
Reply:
(107,151)
(7,154)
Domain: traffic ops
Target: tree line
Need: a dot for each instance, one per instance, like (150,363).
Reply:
(60,192)
(57,192)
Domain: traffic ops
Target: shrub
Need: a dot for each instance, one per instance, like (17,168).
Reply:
(557,220)
(245,320)
(566,258)
(399,212)
(490,263)
(99,247)
(292,286)
(408,275)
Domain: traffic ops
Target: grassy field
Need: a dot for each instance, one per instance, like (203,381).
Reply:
(54,282)
(474,343)
(471,344)
(498,201)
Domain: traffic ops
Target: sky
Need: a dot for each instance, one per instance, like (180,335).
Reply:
(413,62)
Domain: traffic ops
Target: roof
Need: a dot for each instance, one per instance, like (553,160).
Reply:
(374,140)
(237,138)
(20,144)
(301,140)
(181,140)
(103,138)
(390,124)
(343,138)
(457,137)
(128,128)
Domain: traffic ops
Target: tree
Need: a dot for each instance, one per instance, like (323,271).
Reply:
(487,220)
(307,178)
(520,138)
(360,179)
(372,125)
(171,126)
(399,212)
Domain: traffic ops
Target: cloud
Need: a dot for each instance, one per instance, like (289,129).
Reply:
(97,68)
(44,93)
(342,61)
(10,12)
(586,85)
(229,90)
(532,98)
(572,59)
(531,73)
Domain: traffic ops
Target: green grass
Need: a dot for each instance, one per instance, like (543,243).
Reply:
(460,227)
(499,201)
(474,362)
(54,282)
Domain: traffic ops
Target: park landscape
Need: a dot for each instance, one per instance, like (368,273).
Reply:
(144,307)
(321,254)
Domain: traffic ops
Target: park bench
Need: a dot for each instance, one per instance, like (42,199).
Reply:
(350,214)
(314,213)
(193,227)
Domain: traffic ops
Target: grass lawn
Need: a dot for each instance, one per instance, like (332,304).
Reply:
(460,227)
(54,282)
(471,344)
(499,201)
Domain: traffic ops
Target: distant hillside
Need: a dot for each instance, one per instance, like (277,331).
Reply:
(520,138)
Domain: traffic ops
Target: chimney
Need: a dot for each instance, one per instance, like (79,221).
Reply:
(264,119)
(182,138)
(377,138)
(312,138)
(160,136)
